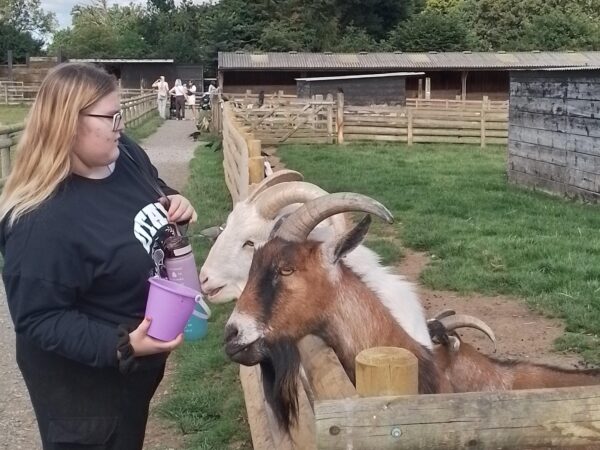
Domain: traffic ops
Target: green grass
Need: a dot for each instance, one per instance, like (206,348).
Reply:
(207,401)
(488,237)
(11,114)
(146,128)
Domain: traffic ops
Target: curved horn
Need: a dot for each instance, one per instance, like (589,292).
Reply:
(444,313)
(451,323)
(281,176)
(272,199)
(301,222)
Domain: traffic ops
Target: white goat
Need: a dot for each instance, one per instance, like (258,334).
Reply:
(225,271)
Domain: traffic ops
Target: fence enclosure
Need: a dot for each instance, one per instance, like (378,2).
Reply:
(242,161)
(135,110)
(328,120)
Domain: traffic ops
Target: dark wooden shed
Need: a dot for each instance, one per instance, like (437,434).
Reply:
(370,89)
(554,131)
(136,73)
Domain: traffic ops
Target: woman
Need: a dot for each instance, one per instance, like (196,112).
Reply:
(180,93)
(80,223)
(191,98)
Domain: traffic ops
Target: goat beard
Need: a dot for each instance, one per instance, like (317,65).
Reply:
(280,370)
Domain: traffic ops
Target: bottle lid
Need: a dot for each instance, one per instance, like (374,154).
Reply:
(177,246)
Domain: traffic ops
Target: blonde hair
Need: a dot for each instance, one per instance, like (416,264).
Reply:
(43,154)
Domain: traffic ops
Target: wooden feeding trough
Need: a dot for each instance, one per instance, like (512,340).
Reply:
(383,412)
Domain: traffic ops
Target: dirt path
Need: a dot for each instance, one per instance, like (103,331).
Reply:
(170,149)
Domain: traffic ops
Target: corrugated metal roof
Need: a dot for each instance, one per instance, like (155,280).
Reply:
(354,77)
(405,61)
(91,60)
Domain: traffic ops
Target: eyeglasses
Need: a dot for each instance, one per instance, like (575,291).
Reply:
(117,118)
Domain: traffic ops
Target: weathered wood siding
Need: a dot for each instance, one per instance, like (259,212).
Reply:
(554,131)
(359,91)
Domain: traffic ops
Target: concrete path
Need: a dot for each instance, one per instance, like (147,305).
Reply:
(170,149)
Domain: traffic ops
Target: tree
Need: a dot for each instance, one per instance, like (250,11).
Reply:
(100,31)
(376,17)
(499,24)
(24,27)
(431,30)
(559,31)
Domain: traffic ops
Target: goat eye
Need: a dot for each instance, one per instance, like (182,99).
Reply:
(285,271)
(248,244)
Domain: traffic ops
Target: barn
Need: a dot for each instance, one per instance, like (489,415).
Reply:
(469,75)
(554,131)
(389,88)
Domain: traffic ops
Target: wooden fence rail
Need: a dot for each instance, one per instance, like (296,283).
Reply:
(242,161)
(135,110)
(369,417)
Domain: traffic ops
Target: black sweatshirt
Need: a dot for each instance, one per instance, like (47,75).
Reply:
(77,266)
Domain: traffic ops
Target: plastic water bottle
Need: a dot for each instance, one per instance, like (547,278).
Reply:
(180,262)
(181,268)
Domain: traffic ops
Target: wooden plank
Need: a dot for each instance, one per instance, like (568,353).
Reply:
(374,137)
(583,126)
(393,131)
(484,420)
(557,107)
(538,152)
(583,179)
(585,90)
(256,409)
(538,121)
(463,132)
(325,374)
(583,108)
(582,161)
(583,144)
(540,169)
(516,176)
(546,138)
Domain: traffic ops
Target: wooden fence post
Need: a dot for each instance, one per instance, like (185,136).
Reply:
(256,168)
(427,88)
(340,117)
(409,127)
(330,118)
(386,371)
(482,125)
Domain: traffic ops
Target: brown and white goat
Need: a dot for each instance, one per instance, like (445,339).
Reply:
(298,287)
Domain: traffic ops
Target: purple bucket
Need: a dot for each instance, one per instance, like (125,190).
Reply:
(170,306)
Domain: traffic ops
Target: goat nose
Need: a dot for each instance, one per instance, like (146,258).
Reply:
(231,332)
(203,279)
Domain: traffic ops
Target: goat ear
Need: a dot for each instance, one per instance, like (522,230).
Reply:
(350,240)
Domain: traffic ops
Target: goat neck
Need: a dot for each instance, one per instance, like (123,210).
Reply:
(356,320)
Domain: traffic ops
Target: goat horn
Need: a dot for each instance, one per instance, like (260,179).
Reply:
(301,222)
(444,313)
(272,199)
(281,176)
(453,322)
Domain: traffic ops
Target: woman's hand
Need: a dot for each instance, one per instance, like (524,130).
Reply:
(181,210)
(145,345)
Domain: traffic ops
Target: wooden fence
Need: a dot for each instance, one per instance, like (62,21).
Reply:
(17,92)
(329,121)
(304,122)
(242,161)
(414,125)
(384,413)
(135,110)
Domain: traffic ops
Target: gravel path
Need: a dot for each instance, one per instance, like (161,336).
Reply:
(170,149)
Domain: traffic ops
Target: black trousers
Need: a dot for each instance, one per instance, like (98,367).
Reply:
(180,106)
(83,408)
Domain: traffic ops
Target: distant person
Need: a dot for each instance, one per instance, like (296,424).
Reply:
(162,96)
(212,90)
(83,216)
(179,91)
(261,98)
(191,98)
